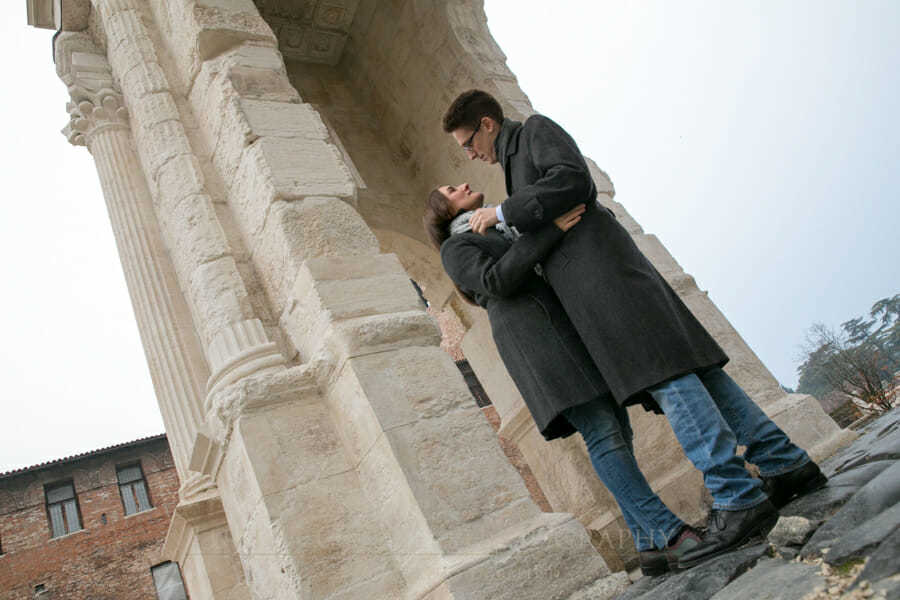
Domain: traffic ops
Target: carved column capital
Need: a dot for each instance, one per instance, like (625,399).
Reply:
(89,117)
(96,102)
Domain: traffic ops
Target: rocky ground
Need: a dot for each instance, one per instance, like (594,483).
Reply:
(842,541)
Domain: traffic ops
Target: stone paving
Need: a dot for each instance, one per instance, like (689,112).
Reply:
(842,541)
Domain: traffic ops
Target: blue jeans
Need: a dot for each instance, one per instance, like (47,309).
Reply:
(710,415)
(607,432)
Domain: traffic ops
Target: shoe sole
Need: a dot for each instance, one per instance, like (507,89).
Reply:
(655,572)
(760,529)
(657,567)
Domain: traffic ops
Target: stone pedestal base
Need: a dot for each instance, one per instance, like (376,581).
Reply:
(199,541)
(547,557)
(380,485)
(802,418)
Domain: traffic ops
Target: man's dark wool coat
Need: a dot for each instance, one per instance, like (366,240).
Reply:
(538,344)
(636,328)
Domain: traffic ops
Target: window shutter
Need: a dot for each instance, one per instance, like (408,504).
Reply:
(128,499)
(57,526)
(72,520)
(140,491)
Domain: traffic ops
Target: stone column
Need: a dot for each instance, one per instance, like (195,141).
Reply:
(206,266)
(99,120)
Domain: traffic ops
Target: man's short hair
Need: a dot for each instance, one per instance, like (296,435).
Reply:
(468,109)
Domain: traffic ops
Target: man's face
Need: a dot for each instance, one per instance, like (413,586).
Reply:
(481,144)
(461,197)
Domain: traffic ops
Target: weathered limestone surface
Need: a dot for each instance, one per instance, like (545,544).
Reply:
(205,263)
(268,217)
(199,541)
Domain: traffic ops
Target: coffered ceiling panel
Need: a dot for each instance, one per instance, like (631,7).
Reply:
(310,30)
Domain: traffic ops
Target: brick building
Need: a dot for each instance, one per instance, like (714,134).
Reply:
(91,526)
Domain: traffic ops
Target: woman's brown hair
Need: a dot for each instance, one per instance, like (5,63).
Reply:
(437,217)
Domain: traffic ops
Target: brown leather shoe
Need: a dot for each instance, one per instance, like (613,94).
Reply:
(783,488)
(730,529)
(658,562)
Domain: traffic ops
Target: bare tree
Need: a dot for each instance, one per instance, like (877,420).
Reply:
(862,360)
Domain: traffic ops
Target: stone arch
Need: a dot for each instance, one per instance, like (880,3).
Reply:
(384,96)
(383,100)
(381,78)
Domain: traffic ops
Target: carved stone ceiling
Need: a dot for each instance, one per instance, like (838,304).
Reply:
(310,30)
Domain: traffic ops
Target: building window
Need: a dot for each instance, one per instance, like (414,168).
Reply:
(167,579)
(63,509)
(133,489)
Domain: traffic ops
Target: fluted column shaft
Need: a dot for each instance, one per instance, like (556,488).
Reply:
(176,366)
(204,262)
(100,121)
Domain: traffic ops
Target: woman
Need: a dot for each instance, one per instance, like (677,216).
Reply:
(545,357)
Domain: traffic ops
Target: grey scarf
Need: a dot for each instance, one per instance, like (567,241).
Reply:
(460,224)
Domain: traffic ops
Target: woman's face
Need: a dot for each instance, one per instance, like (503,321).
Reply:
(462,198)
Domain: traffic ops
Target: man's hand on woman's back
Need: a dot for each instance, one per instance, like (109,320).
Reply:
(567,220)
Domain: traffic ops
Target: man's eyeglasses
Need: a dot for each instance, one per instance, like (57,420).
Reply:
(467,145)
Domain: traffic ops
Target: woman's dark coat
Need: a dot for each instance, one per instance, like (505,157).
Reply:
(538,345)
(634,325)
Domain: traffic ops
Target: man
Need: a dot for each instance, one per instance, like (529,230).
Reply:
(635,327)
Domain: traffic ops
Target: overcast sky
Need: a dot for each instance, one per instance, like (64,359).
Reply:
(758,140)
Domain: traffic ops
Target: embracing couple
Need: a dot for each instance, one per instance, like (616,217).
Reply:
(586,326)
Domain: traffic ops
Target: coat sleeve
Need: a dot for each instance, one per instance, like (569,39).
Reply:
(564,180)
(475,269)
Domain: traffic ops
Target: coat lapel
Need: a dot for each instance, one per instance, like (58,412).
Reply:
(505,146)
